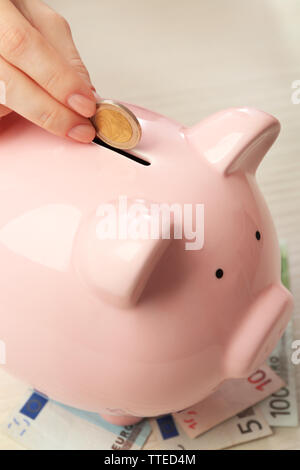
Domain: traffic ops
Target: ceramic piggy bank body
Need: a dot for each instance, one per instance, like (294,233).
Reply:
(138,327)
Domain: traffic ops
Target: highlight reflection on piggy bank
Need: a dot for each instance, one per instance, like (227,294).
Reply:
(133,328)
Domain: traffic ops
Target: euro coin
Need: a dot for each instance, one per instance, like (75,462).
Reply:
(116,125)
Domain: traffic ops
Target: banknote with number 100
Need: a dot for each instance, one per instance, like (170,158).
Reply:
(230,399)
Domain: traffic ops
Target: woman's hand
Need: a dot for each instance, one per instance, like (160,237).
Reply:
(41,74)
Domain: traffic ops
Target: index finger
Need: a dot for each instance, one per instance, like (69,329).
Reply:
(56,31)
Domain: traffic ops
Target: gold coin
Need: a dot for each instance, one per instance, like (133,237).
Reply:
(116,125)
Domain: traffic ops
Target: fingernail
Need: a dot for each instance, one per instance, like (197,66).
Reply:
(82,133)
(82,105)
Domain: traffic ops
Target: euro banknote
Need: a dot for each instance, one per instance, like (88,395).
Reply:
(246,426)
(42,424)
(231,398)
(280,408)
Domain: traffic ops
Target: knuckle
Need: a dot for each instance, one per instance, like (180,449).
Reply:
(65,24)
(51,81)
(14,40)
(58,20)
(48,119)
(77,64)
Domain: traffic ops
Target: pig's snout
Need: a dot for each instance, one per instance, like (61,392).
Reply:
(260,330)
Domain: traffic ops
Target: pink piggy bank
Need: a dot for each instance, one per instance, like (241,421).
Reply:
(133,327)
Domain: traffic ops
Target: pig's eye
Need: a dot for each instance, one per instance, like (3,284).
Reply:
(257,234)
(219,273)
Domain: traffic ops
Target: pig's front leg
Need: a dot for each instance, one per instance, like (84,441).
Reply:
(122,420)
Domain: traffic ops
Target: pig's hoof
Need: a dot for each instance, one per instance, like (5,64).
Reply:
(122,420)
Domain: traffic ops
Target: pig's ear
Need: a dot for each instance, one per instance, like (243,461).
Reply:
(117,270)
(235,139)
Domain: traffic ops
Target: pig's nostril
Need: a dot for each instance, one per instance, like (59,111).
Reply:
(257,234)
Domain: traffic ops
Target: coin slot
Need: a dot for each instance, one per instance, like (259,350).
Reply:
(121,152)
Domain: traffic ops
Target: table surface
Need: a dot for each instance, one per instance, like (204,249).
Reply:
(187,60)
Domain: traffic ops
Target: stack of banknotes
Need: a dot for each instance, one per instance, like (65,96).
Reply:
(241,410)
